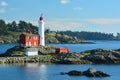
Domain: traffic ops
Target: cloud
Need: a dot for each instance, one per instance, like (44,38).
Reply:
(78,8)
(64,1)
(2,10)
(103,21)
(3,3)
(64,25)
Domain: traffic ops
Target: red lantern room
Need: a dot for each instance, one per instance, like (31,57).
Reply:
(41,18)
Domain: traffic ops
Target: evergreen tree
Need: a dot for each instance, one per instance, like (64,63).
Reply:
(3,27)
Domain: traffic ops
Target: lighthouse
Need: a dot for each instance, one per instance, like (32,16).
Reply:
(41,31)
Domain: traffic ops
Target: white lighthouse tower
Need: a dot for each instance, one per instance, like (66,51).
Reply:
(41,31)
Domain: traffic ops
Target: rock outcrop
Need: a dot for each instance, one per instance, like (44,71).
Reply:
(91,72)
(95,56)
(102,56)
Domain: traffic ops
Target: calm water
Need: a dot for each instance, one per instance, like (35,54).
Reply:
(52,71)
(4,47)
(75,47)
(83,47)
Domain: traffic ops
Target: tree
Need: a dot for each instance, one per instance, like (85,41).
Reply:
(3,27)
(23,26)
(118,36)
(47,30)
(12,26)
(33,29)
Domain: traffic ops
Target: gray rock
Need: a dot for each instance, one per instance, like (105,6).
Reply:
(103,56)
(91,72)
(75,73)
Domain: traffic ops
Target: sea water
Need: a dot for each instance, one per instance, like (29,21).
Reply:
(84,47)
(35,71)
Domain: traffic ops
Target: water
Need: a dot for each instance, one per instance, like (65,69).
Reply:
(4,47)
(83,47)
(34,71)
(52,72)
(75,47)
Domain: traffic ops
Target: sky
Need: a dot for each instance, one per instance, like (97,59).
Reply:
(74,15)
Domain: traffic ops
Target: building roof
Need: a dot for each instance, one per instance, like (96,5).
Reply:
(28,34)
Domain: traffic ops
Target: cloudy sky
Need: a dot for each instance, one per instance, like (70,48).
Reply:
(75,15)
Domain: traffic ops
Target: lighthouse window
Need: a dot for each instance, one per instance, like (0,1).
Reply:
(29,43)
(34,43)
(35,37)
(26,43)
(29,37)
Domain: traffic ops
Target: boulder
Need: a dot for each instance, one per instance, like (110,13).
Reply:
(91,72)
(101,74)
(99,56)
(1,42)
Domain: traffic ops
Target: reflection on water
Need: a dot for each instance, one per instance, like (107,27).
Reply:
(42,72)
(36,71)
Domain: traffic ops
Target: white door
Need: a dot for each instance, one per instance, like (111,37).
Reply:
(26,43)
(34,43)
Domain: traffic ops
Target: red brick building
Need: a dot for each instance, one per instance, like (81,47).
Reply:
(61,50)
(29,40)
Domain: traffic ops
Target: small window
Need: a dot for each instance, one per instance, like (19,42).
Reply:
(29,43)
(29,37)
(26,43)
(34,43)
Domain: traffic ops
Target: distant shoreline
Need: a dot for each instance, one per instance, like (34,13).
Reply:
(75,43)
(84,42)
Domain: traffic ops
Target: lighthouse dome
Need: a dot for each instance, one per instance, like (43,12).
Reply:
(41,18)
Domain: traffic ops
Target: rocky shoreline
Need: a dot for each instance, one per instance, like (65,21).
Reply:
(95,56)
(38,59)
(11,60)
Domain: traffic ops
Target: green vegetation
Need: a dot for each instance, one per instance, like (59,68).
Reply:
(10,37)
(54,37)
(9,33)
(20,51)
(91,35)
